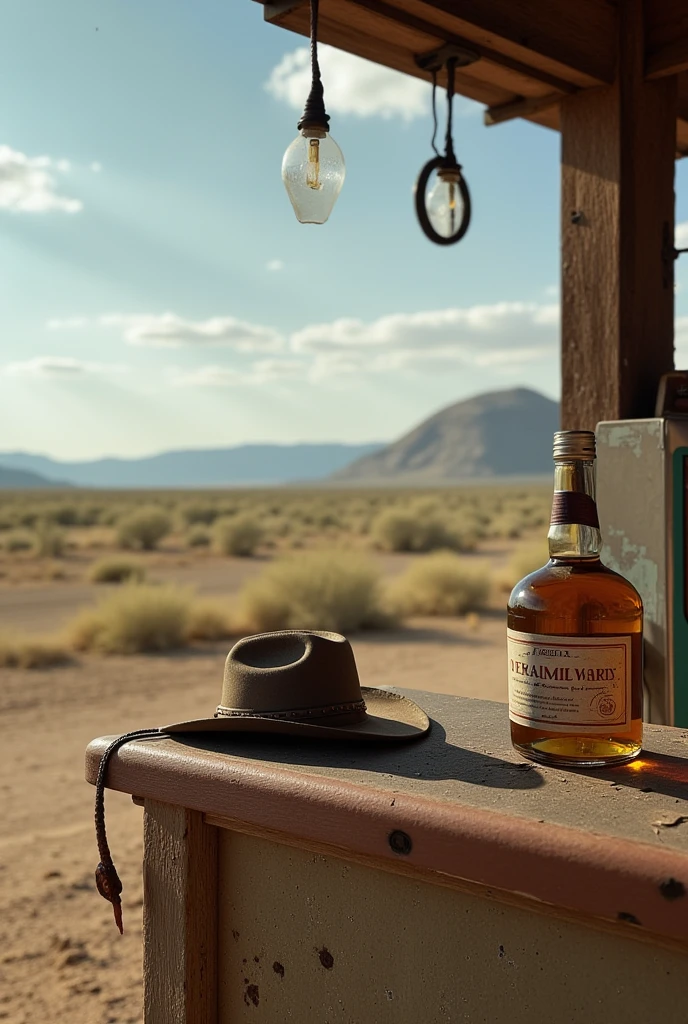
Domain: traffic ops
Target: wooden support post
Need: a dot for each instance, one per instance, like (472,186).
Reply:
(618,148)
(180,916)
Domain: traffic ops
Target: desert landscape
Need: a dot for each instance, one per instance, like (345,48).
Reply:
(117,610)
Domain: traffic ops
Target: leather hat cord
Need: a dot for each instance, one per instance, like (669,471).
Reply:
(107,880)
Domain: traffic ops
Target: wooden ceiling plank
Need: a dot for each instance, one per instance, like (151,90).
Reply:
(578,34)
(396,13)
(666,38)
(349,37)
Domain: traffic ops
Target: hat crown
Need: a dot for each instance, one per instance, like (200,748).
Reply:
(290,671)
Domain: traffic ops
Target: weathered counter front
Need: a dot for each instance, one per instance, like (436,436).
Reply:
(444,880)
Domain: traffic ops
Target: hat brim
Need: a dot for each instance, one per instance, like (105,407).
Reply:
(389,716)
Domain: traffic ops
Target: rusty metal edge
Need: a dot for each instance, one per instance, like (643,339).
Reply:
(602,877)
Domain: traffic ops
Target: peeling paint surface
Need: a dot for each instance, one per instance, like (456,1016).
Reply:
(631,435)
(632,561)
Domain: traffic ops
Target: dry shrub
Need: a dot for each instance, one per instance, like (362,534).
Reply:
(210,620)
(116,570)
(417,531)
(196,513)
(197,537)
(17,540)
(30,652)
(525,559)
(238,536)
(143,529)
(441,584)
(332,590)
(136,619)
(49,541)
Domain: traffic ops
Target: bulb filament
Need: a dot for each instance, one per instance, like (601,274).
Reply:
(313,172)
(452,207)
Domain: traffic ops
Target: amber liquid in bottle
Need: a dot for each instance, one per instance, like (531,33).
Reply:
(586,683)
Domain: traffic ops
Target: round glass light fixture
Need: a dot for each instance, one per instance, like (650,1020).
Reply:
(443,202)
(444,208)
(313,168)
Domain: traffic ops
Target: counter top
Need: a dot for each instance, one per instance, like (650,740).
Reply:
(608,843)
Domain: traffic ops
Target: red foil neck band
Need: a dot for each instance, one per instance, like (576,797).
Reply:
(571,508)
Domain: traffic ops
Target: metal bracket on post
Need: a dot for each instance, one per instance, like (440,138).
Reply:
(435,60)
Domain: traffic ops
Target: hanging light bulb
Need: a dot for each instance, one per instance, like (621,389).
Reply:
(313,167)
(444,202)
(444,212)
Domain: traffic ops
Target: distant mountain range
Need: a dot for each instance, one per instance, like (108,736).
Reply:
(502,433)
(24,478)
(250,464)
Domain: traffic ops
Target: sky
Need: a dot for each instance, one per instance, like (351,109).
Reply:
(156,289)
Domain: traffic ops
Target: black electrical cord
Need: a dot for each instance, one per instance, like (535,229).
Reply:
(314,113)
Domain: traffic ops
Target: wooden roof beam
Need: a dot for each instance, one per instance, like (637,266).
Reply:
(403,17)
(524,106)
(666,38)
(578,36)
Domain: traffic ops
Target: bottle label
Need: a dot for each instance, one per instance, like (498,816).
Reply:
(569,683)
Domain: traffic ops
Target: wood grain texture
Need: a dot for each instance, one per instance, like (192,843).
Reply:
(666,37)
(577,33)
(366,34)
(501,68)
(618,149)
(180,916)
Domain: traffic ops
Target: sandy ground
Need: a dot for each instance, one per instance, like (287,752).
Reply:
(61,958)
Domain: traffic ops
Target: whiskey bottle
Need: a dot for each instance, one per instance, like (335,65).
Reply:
(574,634)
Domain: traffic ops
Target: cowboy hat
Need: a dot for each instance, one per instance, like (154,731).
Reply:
(295,682)
(305,683)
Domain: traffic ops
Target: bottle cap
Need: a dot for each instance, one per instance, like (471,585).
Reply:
(574,444)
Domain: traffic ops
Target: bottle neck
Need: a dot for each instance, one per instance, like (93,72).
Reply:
(574,529)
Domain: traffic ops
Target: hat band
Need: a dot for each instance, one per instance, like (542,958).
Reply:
(296,715)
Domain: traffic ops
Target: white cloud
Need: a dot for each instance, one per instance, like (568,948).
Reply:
(96,167)
(69,323)
(499,338)
(227,377)
(354,86)
(274,265)
(167,330)
(61,368)
(503,324)
(28,186)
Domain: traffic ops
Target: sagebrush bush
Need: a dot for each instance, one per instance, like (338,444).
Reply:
(210,620)
(197,537)
(116,570)
(238,536)
(418,532)
(143,529)
(135,619)
(29,652)
(525,559)
(508,525)
(17,540)
(332,590)
(440,584)
(49,541)
(197,512)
